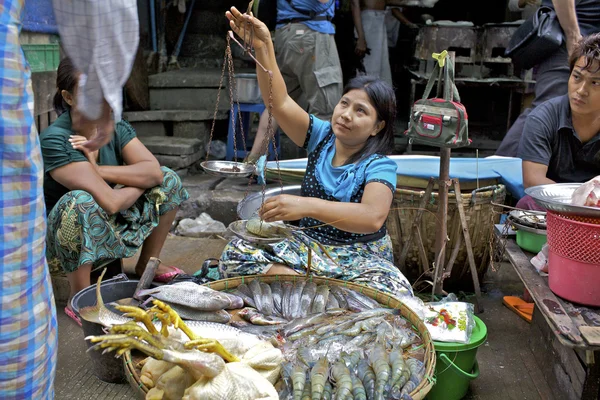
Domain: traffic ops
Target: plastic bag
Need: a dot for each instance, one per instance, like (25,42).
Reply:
(450,321)
(540,261)
(588,194)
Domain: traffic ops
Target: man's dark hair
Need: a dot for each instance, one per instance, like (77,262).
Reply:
(383,98)
(589,48)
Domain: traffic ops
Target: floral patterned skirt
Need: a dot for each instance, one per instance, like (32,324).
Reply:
(80,232)
(368,263)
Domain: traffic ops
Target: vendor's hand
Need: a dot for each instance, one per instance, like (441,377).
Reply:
(241,24)
(283,208)
(361,47)
(78,142)
(102,127)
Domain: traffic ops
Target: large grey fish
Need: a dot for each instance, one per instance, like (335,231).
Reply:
(320,300)
(276,291)
(295,296)
(285,298)
(256,290)
(308,294)
(266,300)
(339,296)
(191,295)
(188,313)
(248,300)
(331,302)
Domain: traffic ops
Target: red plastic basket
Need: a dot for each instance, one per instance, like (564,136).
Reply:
(574,257)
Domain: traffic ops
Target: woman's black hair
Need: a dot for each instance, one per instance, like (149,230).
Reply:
(66,79)
(383,98)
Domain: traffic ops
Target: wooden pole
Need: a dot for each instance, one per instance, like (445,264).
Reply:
(147,277)
(442,216)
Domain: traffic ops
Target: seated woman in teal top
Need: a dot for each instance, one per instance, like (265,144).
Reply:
(90,219)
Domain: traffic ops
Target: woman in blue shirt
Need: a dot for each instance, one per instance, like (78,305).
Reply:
(348,186)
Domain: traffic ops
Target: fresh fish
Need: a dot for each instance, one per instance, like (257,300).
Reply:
(256,291)
(262,331)
(331,303)
(191,295)
(248,300)
(358,302)
(276,291)
(303,323)
(188,313)
(236,301)
(295,297)
(245,290)
(285,299)
(339,296)
(308,294)
(101,315)
(257,318)
(320,300)
(266,299)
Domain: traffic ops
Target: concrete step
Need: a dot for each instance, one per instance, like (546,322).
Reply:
(175,153)
(189,89)
(194,124)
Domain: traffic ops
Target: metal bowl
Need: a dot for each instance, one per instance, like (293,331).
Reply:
(238,228)
(532,219)
(248,207)
(557,197)
(228,169)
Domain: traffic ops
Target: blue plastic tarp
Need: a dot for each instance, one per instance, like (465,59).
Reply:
(507,169)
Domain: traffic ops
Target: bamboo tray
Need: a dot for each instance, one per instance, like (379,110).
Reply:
(133,372)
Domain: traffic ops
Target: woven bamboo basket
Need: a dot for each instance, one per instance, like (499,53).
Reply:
(480,216)
(133,372)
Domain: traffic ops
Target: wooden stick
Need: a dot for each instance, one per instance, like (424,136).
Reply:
(465,229)
(147,276)
(414,226)
(309,262)
(458,235)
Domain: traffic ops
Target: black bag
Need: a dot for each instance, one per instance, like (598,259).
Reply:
(536,39)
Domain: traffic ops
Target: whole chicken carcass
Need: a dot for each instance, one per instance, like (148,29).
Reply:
(588,194)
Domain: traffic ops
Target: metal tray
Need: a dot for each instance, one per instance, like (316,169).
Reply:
(238,228)
(532,219)
(557,197)
(227,168)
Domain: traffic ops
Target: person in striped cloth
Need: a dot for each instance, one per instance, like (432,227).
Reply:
(101,37)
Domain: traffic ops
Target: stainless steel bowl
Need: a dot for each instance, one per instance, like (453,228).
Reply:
(249,206)
(557,197)
(247,88)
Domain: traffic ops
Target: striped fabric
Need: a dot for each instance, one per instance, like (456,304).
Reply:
(28,330)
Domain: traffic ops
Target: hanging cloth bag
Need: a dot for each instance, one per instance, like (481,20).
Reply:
(439,122)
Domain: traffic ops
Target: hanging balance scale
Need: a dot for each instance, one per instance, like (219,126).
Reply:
(235,169)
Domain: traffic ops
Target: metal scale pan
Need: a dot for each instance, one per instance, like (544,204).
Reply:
(228,169)
(557,197)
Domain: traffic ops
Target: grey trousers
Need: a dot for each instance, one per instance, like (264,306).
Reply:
(310,67)
(551,81)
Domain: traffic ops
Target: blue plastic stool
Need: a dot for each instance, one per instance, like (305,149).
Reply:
(246,109)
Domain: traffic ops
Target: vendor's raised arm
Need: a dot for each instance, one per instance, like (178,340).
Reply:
(565,11)
(292,119)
